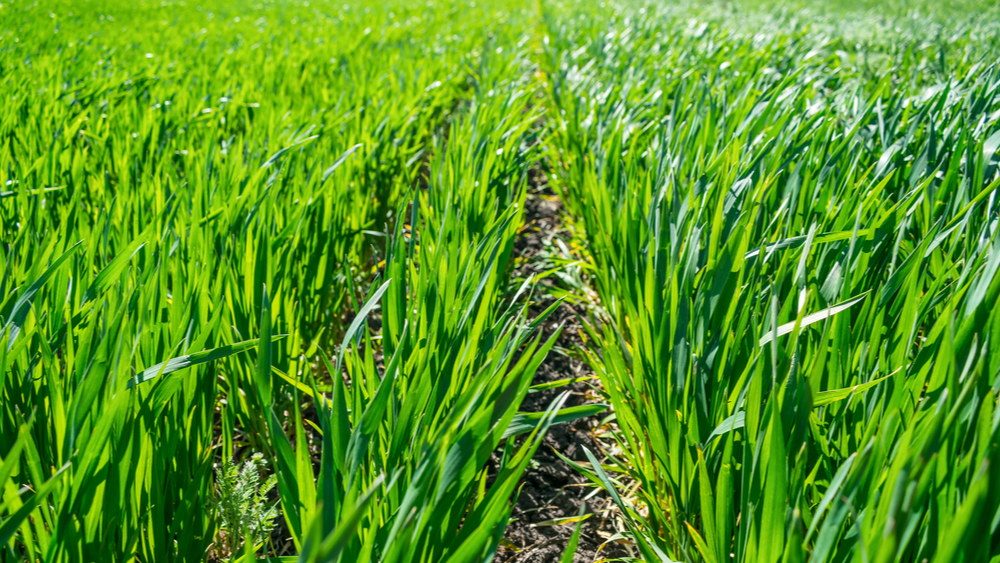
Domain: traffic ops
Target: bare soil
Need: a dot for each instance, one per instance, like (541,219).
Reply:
(552,489)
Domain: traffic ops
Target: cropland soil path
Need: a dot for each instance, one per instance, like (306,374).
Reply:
(551,489)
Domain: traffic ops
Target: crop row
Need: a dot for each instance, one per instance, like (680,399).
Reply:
(289,229)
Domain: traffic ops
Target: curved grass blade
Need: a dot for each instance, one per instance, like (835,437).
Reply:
(188,360)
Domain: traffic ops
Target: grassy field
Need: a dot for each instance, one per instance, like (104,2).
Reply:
(262,291)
